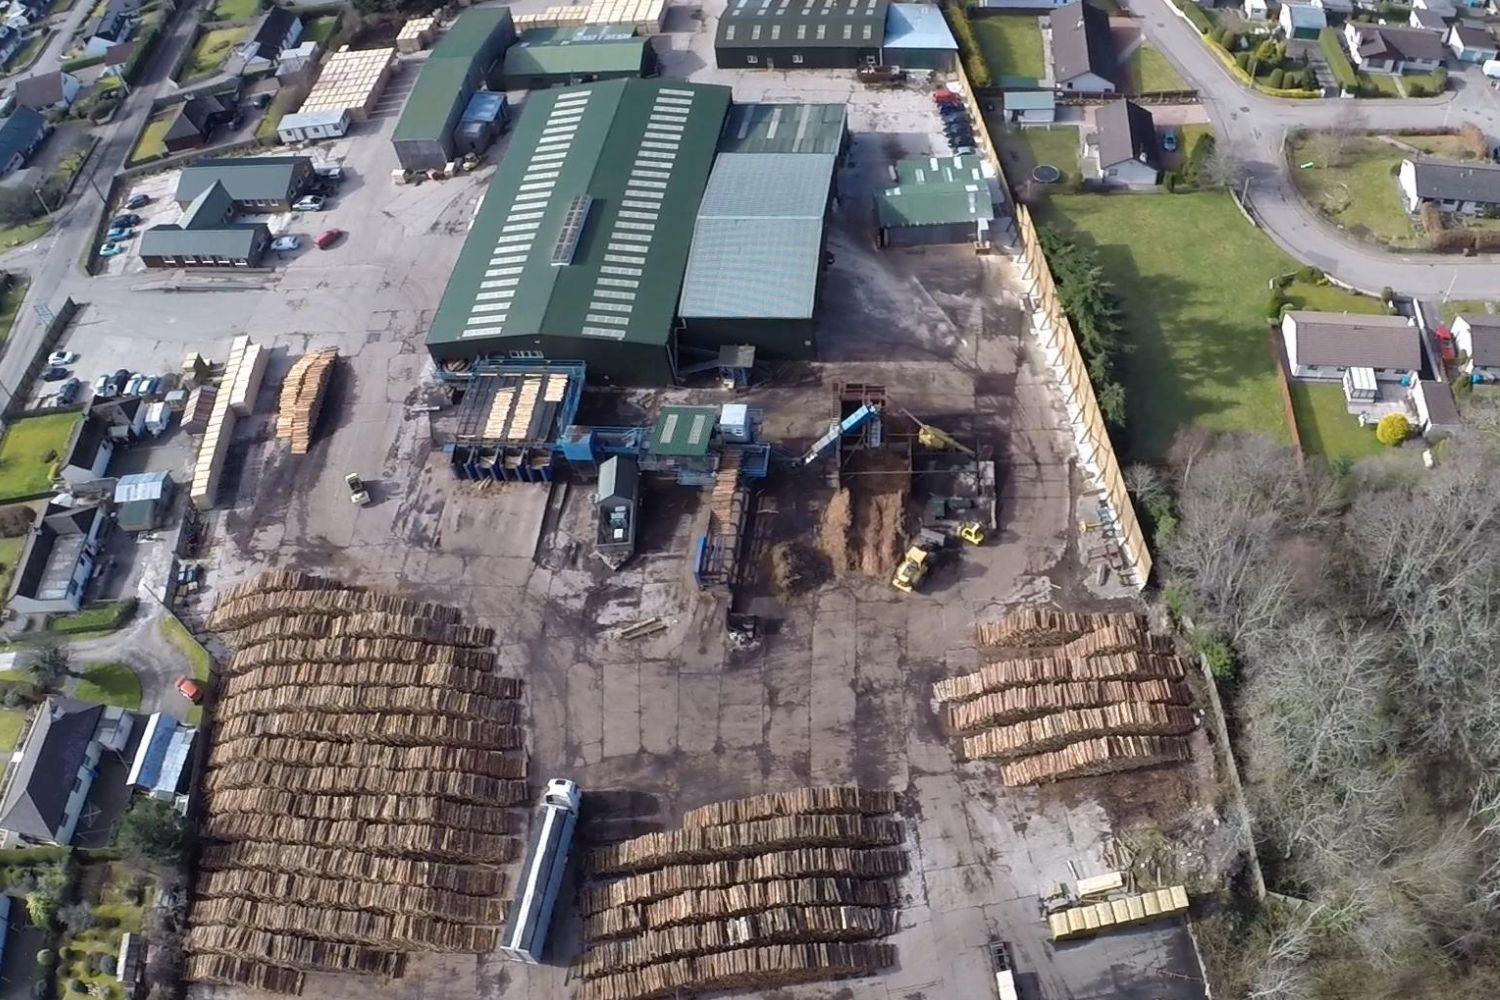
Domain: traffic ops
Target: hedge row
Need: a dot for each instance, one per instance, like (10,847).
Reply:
(968,45)
(1195,14)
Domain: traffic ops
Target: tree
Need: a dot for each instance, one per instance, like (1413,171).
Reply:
(41,907)
(49,664)
(18,205)
(1222,167)
(1393,429)
(153,830)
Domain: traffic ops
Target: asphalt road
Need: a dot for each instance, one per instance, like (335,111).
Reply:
(1255,127)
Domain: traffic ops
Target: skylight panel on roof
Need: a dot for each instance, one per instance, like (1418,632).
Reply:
(572,229)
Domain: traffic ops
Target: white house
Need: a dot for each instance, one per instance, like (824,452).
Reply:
(1083,57)
(1461,187)
(1435,406)
(50,781)
(1476,338)
(1257,10)
(1472,43)
(1322,345)
(1123,145)
(1384,49)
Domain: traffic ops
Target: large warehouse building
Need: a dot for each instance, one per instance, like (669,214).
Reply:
(551,57)
(757,257)
(579,248)
(466,58)
(807,34)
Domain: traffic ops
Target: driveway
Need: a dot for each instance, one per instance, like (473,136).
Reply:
(1254,127)
(142,647)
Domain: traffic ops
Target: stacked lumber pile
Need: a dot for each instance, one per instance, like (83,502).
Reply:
(302,398)
(1070,694)
(756,893)
(360,793)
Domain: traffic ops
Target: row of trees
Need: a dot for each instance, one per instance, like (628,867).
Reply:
(1089,299)
(1361,606)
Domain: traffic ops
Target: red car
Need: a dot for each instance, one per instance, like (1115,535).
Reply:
(190,689)
(329,238)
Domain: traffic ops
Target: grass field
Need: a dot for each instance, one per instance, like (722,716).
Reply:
(110,684)
(211,51)
(1327,427)
(1454,308)
(24,467)
(236,10)
(12,721)
(1024,148)
(1012,45)
(1147,70)
(151,146)
(1200,351)
(14,236)
(1382,82)
(1360,196)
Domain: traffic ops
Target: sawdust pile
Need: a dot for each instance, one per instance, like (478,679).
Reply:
(863,529)
(796,568)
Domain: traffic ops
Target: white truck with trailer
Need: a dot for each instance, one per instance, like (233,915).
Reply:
(525,937)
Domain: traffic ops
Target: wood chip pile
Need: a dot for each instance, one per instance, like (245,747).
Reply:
(361,790)
(1070,694)
(302,398)
(750,894)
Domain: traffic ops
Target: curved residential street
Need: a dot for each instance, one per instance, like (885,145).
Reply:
(1254,127)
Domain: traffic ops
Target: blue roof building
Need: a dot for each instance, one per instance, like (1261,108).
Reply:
(917,37)
(161,757)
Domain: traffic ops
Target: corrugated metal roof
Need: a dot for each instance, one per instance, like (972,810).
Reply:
(934,204)
(246,178)
(917,26)
(784,128)
(641,149)
(234,242)
(758,24)
(1030,100)
(142,486)
(758,237)
(448,71)
(684,431)
(933,169)
(575,57)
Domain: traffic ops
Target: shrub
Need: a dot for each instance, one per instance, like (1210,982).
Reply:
(1277,302)
(41,907)
(1392,429)
(1310,274)
(1195,15)
(968,44)
(1276,79)
(1231,40)
(1219,657)
(1169,180)
(1388,295)
(1243,61)
(153,830)
(46,959)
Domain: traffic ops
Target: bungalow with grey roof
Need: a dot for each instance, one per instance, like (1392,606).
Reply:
(1476,338)
(1083,56)
(1323,345)
(1462,187)
(1384,49)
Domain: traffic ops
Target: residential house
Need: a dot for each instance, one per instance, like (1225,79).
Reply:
(12,38)
(1030,107)
(1427,20)
(21,133)
(122,420)
(279,29)
(57,764)
(1302,22)
(142,500)
(1476,338)
(1123,145)
(110,27)
(1462,187)
(207,234)
(118,58)
(1436,409)
(261,184)
(1322,345)
(1257,10)
(1472,43)
(1442,8)
(194,120)
(48,91)
(161,757)
(56,563)
(1083,57)
(87,456)
(1384,49)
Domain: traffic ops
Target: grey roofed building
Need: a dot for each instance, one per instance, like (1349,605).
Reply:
(758,240)
(20,133)
(808,24)
(44,90)
(784,128)
(1126,132)
(1441,410)
(1428,20)
(1353,341)
(1472,36)
(1447,180)
(248,179)
(1080,42)
(37,797)
(1382,42)
(1484,337)
(239,241)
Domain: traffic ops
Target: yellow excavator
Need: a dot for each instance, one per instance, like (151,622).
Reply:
(971,532)
(913,569)
(936,438)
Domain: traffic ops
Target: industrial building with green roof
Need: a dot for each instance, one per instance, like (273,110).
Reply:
(800,34)
(785,128)
(579,248)
(464,59)
(551,57)
(937,199)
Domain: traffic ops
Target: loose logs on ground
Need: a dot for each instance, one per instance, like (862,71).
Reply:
(751,894)
(359,791)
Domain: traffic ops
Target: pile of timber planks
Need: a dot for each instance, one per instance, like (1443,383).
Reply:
(302,398)
(1049,627)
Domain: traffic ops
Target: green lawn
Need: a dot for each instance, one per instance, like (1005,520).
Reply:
(25,468)
(14,236)
(201,663)
(1195,309)
(26,54)
(12,721)
(1327,427)
(1332,298)
(1448,146)
(151,144)
(10,304)
(236,10)
(10,554)
(110,684)
(211,51)
(1012,45)
(1360,196)
(320,29)
(1024,148)
(1452,309)
(1147,70)
(1382,82)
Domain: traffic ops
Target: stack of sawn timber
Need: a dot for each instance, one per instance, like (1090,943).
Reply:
(1069,694)
(302,397)
(754,893)
(360,789)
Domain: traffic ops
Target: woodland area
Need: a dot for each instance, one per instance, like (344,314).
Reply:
(1360,611)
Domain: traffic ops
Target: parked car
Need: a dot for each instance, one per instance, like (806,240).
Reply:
(189,689)
(1169,140)
(286,243)
(138,201)
(358,494)
(331,172)
(111,250)
(68,391)
(118,380)
(260,101)
(310,203)
(328,238)
(126,221)
(133,386)
(62,357)
(147,386)
(119,233)
(53,373)
(104,388)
